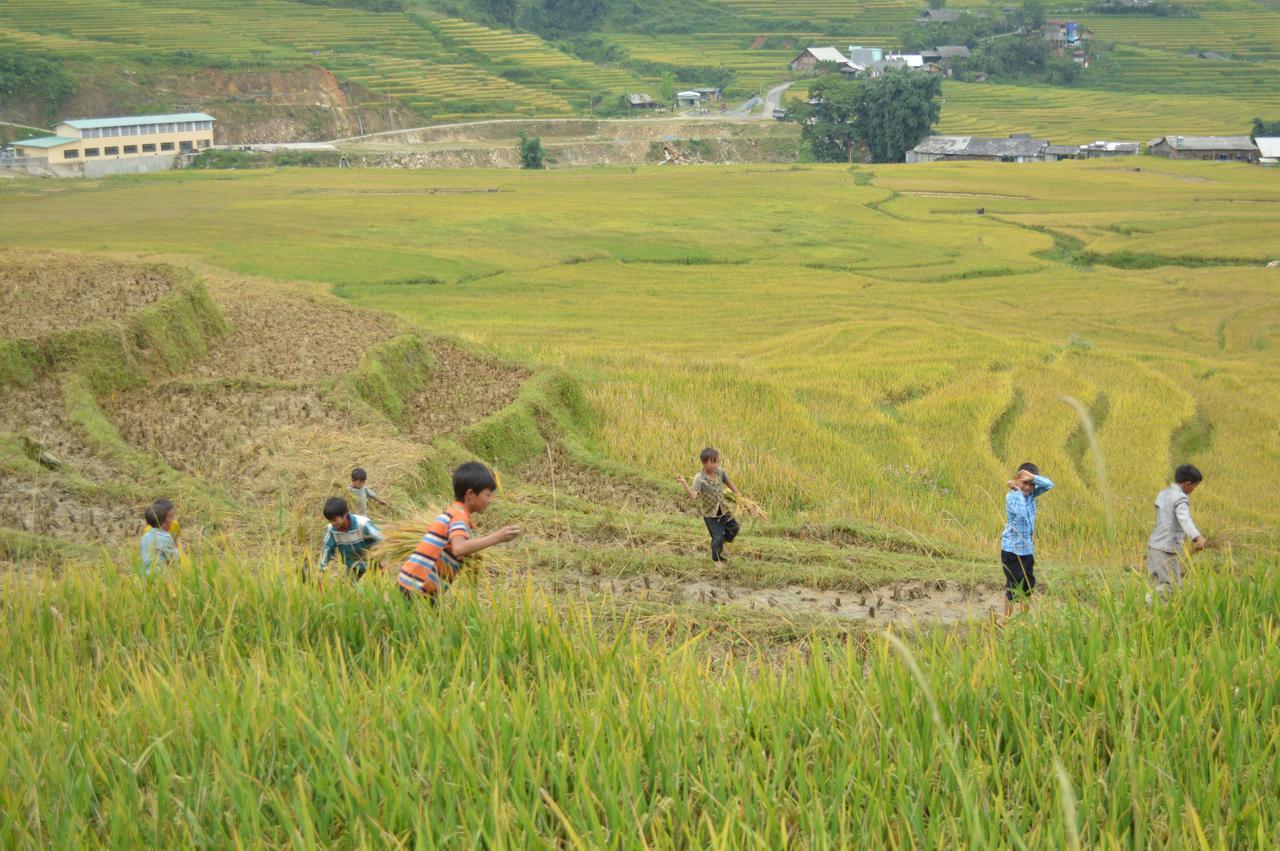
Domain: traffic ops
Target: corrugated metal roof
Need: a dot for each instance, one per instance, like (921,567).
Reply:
(45,142)
(1269,145)
(1210,143)
(129,120)
(911,60)
(943,145)
(1006,147)
(976,146)
(827,54)
(1104,145)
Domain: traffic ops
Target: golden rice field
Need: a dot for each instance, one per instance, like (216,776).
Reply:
(860,344)
(873,350)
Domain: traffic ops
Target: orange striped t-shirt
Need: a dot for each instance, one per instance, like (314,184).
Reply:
(432,565)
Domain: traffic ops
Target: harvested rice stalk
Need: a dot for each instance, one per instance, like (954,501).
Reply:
(748,505)
(401,538)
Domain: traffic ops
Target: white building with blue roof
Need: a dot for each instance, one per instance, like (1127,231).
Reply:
(85,140)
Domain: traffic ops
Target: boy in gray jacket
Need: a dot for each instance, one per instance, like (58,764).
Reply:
(1173,526)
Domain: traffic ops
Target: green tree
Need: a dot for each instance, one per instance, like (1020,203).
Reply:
(1032,14)
(899,110)
(886,117)
(499,11)
(830,120)
(1265,128)
(566,16)
(34,77)
(667,87)
(532,154)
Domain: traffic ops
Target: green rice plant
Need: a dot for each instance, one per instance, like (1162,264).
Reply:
(226,703)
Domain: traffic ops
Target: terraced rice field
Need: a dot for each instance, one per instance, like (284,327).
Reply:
(1247,33)
(755,68)
(393,54)
(1071,116)
(873,351)
(876,17)
(511,50)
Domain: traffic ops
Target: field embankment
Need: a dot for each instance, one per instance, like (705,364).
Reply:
(578,142)
(244,401)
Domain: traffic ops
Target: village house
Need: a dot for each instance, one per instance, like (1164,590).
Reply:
(1053,153)
(688,99)
(1218,148)
(710,94)
(945,53)
(1063,34)
(1103,148)
(889,62)
(640,100)
(1268,149)
(811,57)
(1019,148)
(864,56)
(127,137)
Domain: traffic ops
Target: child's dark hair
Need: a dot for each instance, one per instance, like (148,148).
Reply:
(1187,474)
(359,475)
(335,507)
(156,512)
(709,454)
(1029,468)
(473,476)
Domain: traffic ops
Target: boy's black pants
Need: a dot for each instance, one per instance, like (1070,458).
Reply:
(723,530)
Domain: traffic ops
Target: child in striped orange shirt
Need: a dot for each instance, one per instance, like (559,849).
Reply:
(449,539)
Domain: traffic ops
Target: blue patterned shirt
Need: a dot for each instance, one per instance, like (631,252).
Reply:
(352,544)
(1020,528)
(158,549)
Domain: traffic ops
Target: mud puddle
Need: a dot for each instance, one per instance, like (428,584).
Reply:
(900,603)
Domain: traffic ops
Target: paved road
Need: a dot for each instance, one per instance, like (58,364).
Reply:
(772,100)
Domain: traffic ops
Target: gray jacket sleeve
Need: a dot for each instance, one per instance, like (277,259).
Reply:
(1182,511)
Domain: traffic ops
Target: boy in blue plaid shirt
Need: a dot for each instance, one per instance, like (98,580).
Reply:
(1017,545)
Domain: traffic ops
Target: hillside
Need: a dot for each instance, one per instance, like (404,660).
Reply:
(248,402)
(434,61)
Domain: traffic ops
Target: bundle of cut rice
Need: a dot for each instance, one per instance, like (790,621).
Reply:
(748,505)
(401,538)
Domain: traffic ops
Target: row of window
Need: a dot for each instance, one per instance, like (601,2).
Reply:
(146,129)
(117,150)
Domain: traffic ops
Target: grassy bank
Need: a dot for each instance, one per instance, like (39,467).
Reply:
(225,706)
